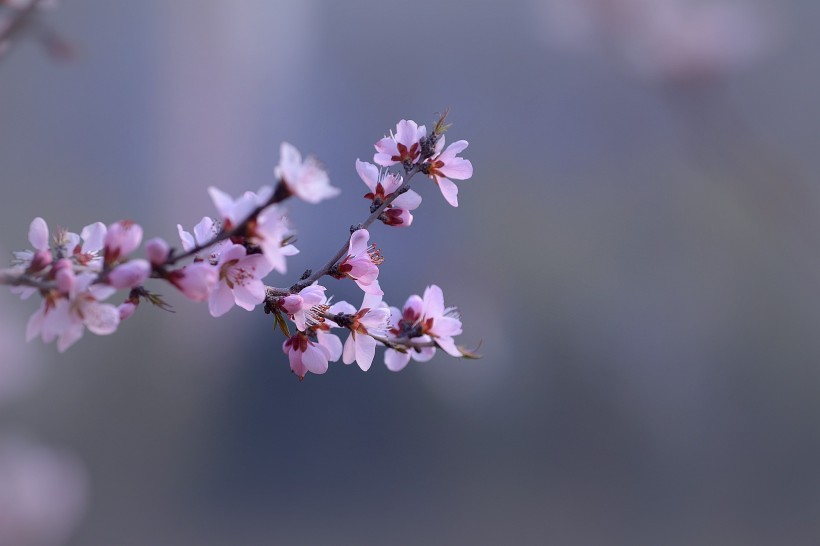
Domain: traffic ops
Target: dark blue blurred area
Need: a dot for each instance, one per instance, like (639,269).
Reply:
(638,259)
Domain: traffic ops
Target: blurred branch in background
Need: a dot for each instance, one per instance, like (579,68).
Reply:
(22,17)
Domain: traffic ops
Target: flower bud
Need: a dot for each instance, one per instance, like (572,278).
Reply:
(157,250)
(121,239)
(129,274)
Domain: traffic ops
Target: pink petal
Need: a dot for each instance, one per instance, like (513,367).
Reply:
(369,174)
(395,361)
(448,190)
(458,168)
(409,200)
(38,234)
(221,300)
(448,345)
(314,360)
(93,236)
(249,295)
(365,351)
(358,242)
(222,201)
(349,354)
(331,344)
(433,302)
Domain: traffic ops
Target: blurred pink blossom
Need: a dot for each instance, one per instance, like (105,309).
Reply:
(43,495)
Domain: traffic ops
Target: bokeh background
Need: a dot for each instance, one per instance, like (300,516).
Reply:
(637,254)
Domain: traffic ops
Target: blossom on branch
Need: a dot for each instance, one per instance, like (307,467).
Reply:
(361,263)
(306,179)
(403,146)
(382,186)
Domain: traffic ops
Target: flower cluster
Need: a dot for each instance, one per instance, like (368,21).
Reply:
(225,260)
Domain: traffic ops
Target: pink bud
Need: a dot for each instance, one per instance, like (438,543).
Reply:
(130,274)
(121,239)
(64,275)
(157,250)
(127,310)
(40,260)
(291,303)
(196,280)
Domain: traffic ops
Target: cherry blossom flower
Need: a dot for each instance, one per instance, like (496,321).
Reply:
(44,493)
(240,281)
(403,146)
(371,319)
(446,165)
(121,240)
(361,263)
(423,320)
(129,274)
(271,233)
(299,306)
(382,186)
(64,316)
(306,355)
(235,212)
(307,180)
(204,232)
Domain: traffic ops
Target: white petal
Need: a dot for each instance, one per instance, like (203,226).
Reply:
(409,200)
(395,361)
(38,234)
(369,174)
(365,351)
(349,354)
(93,236)
(101,318)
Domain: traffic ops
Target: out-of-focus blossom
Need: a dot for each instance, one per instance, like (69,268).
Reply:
(122,239)
(384,184)
(130,274)
(157,250)
(240,281)
(446,164)
(43,495)
(306,179)
(195,280)
(63,317)
(236,211)
(667,40)
(403,146)
(361,263)
(270,232)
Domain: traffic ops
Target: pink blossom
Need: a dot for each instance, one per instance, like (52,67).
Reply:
(235,212)
(204,232)
(370,320)
(403,146)
(306,355)
(423,320)
(129,274)
(195,280)
(64,318)
(299,306)
(121,240)
(44,493)
(240,281)
(306,180)
(361,263)
(157,251)
(384,184)
(270,232)
(446,165)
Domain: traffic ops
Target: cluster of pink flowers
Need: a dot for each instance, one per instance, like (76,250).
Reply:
(225,260)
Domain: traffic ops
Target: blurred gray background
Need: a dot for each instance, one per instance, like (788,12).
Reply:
(638,257)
